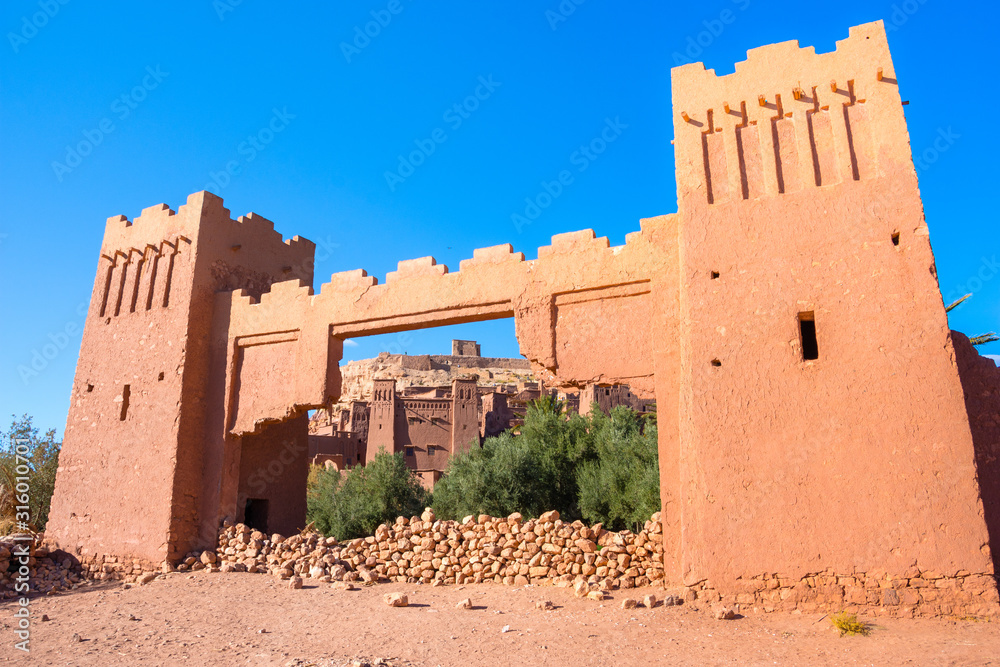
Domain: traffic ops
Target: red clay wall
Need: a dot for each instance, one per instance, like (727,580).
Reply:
(859,461)
(981,388)
(150,327)
(274,466)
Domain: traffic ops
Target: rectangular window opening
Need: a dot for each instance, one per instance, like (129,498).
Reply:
(895,238)
(807,329)
(126,392)
(409,451)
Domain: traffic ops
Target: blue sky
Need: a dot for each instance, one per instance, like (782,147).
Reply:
(286,111)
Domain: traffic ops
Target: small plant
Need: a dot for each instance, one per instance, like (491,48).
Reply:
(848,624)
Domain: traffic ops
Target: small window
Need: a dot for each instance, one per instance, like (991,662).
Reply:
(126,393)
(807,329)
(90,388)
(715,274)
(895,238)
(409,451)
(160,376)
(430,450)
(716,363)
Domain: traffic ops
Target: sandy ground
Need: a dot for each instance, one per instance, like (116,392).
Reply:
(248,619)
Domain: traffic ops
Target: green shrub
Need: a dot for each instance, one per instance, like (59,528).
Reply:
(602,468)
(42,460)
(353,503)
(848,624)
(621,487)
(529,473)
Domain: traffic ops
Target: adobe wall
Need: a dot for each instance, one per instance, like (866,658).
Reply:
(464,348)
(858,461)
(981,389)
(274,466)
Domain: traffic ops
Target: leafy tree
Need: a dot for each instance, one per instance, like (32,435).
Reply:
(38,461)
(621,487)
(529,473)
(603,468)
(353,503)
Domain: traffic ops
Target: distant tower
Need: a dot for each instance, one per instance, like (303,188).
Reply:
(465,415)
(464,348)
(382,420)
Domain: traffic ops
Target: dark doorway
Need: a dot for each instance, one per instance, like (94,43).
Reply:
(255,514)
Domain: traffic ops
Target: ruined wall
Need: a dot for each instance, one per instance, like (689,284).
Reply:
(800,204)
(464,348)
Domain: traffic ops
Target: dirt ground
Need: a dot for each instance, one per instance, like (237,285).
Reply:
(250,619)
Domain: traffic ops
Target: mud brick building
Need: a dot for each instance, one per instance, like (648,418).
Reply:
(816,417)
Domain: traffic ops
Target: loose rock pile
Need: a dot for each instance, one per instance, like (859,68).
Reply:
(503,550)
(46,571)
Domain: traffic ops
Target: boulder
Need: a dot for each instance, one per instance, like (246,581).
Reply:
(396,599)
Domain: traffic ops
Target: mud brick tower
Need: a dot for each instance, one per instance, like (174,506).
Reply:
(133,454)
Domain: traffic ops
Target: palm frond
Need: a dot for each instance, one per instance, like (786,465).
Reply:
(952,306)
(982,339)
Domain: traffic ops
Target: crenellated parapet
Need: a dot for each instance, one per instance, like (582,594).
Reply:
(787,120)
(571,292)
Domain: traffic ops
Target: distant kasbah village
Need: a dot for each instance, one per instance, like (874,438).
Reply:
(390,406)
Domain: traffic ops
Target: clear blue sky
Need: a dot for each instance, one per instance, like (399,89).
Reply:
(173,91)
